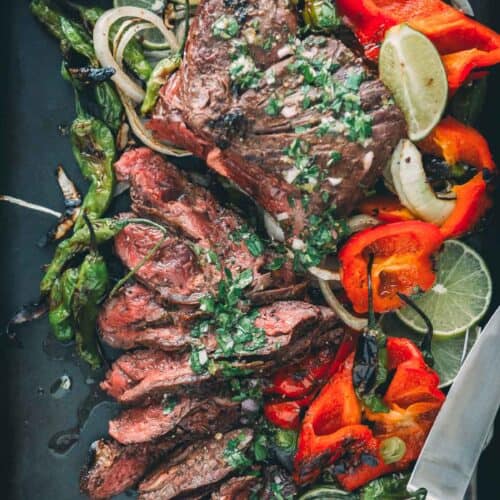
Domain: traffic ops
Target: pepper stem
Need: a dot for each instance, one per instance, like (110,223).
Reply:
(371,312)
(426,344)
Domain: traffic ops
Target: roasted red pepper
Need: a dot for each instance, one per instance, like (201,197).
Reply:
(455,142)
(332,434)
(402,263)
(465,44)
(301,382)
(386,208)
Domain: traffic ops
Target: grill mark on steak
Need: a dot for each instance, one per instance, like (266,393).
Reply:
(200,465)
(196,417)
(202,94)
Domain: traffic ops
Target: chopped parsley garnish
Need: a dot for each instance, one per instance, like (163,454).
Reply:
(274,106)
(234,329)
(226,27)
(252,241)
(169,404)
(335,157)
(319,238)
(244,73)
(308,172)
(275,264)
(234,456)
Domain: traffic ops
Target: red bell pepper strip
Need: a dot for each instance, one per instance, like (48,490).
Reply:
(455,142)
(402,263)
(386,208)
(332,433)
(286,414)
(465,44)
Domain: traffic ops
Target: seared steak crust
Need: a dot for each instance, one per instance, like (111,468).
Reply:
(237,488)
(197,417)
(244,141)
(200,465)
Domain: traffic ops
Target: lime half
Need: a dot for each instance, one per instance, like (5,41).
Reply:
(459,298)
(152,39)
(448,352)
(411,68)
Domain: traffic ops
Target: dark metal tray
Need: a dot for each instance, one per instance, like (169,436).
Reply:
(35,101)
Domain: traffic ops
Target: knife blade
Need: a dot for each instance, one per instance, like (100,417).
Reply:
(460,432)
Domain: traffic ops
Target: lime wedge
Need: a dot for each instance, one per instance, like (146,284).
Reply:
(151,39)
(411,68)
(448,352)
(459,298)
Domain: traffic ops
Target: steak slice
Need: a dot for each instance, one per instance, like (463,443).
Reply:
(237,488)
(189,415)
(252,98)
(134,318)
(200,465)
(116,468)
(160,190)
(291,329)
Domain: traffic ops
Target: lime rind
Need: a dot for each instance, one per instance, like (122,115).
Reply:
(459,298)
(411,67)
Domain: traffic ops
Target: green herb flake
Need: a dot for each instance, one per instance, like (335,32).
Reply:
(169,404)
(252,241)
(234,456)
(244,72)
(274,106)
(226,27)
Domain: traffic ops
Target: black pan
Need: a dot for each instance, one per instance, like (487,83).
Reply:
(35,102)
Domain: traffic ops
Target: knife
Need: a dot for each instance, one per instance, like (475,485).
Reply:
(460,432)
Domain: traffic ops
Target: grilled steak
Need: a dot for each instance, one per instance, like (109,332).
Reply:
(237,488)
(195,416)
(140,374)
(116,468)
(200,465)
(160,190)
(269,109)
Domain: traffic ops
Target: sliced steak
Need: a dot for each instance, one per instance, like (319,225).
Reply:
(200,465)
(116,468)
(195,416)
(252,97)
(160,190)
(237,488)
(174,271)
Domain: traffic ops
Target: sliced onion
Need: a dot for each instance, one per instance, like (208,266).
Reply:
(324,274)
(360,222)
(143,134)
(101,44)
(273,228)
(414,192)
(27,204)
(349,319)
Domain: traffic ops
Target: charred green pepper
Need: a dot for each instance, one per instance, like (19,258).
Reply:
(60,306)
(94,150)
(133,54)
(90,289)
(158,78)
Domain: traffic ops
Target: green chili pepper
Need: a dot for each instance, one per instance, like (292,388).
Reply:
(94,150)
(60,306)
(72,35)
(133,54)
(50,18)
(90,289)
(104,230)
(157,79)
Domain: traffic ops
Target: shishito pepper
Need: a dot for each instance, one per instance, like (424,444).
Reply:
(465,44)
(402,263)
(458,143)
(332,433)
